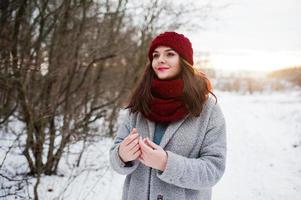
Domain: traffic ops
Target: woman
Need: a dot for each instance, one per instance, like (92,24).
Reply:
(172,142)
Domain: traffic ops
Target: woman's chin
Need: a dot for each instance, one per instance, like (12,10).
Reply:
(163,76)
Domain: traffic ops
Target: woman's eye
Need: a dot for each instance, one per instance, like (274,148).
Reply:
(155,56)
(170,54)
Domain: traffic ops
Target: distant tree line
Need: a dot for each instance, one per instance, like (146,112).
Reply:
(250,82)
(291,74)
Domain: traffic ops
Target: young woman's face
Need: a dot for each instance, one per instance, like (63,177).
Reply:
(166,63)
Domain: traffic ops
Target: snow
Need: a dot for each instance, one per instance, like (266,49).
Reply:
(263,159)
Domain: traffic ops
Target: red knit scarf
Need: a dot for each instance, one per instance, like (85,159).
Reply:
(167,105)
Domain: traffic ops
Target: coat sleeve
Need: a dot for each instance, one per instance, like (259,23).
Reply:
(116,163)
(206,170)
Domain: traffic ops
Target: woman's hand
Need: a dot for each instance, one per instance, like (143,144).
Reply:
(152,155)
(129,148)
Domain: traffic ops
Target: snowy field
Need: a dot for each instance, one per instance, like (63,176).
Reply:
(263,161)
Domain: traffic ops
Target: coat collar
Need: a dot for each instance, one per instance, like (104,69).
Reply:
(170,131)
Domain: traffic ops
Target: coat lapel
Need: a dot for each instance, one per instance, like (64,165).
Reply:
(170,131)
(151,129)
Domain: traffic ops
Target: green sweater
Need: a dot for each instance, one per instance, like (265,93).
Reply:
(159,132)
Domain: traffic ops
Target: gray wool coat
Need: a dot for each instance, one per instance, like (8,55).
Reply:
(196,148)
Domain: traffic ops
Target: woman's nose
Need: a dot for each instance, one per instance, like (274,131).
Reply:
(161,59)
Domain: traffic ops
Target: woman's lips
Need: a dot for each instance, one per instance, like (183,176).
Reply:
(162,68)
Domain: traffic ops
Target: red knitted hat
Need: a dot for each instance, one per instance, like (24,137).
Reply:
(176,41)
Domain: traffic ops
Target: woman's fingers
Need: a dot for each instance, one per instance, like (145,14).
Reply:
(151,144)
(127,144)
(135,148)
(130,138)
(137,154)
(132,144)
(144,147)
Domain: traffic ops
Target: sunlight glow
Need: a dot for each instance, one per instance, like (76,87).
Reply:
(254,60)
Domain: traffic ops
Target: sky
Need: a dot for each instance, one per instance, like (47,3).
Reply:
(256,35)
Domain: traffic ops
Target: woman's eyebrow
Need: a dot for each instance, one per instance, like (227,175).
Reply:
(164,50)
(169,50)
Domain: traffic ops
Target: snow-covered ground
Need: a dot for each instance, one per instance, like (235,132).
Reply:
(263,161)
(264,147)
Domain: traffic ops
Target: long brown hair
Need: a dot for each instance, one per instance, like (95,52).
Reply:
(195,93)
